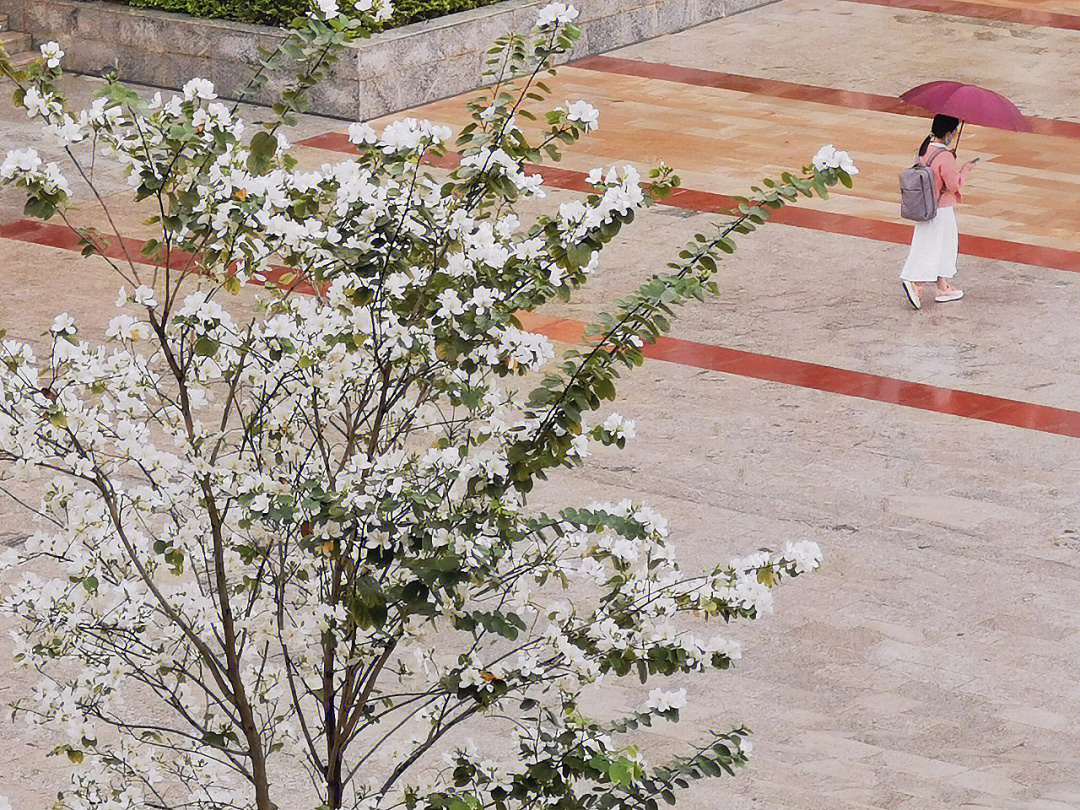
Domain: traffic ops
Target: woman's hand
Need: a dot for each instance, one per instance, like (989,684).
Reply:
(972,162)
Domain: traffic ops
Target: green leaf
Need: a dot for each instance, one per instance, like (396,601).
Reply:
(621,773)
(206,347)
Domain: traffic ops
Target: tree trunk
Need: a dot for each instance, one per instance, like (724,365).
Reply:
(334,787)
(262,784)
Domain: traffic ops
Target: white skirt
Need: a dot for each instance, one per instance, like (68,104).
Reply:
(933,248)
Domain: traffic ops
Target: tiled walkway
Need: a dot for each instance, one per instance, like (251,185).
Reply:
(723,139)
(932,664)
(915,684)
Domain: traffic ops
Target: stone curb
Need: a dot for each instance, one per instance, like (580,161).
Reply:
(391,71)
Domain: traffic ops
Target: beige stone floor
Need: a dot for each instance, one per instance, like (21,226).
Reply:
(724,141)
(877,49)
(929,665)
(932,663)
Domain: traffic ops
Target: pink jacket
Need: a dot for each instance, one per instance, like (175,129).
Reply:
(948,178)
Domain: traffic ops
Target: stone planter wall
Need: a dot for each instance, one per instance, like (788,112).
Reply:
(392,71)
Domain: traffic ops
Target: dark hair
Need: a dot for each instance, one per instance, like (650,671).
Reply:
(942,126)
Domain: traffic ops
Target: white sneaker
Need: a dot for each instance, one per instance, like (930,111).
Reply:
(912,293)
(955,295)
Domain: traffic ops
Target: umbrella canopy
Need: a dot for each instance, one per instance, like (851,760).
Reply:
(970,103)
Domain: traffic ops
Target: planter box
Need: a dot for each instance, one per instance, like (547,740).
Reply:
(392,71)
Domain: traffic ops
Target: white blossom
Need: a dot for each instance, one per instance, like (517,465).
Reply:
(201,89)
(556,14)
(362,133)
(63,324)
(52,54)
(144,296)
(19,160)
(805,555)
(619,426)
(583,113)
(67,131)
(828,157)
(663,701)
(383,9)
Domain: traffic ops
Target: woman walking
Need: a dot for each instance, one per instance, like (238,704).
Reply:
(932,258)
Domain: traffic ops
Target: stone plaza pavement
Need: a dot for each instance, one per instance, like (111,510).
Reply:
(935,456)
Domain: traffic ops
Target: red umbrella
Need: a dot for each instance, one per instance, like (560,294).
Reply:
(969,103)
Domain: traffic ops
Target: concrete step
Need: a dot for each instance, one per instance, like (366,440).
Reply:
(21,60)
(15,43)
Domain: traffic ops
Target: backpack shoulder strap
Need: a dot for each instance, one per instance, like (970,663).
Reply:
(935,156)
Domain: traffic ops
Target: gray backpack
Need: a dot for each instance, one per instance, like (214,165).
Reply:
(918,198)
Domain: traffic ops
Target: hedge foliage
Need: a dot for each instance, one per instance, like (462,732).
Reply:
(282,12)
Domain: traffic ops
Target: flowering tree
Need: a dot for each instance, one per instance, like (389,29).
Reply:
(302,536)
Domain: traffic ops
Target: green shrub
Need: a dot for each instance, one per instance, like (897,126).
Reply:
(407,11)
(271,12)
(164,5)
(282,12)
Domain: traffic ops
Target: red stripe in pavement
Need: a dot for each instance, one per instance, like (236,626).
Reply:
(61,236)
(835,380)
(331,141)
(850,99)
(709,202)
(730,361)
(983,11)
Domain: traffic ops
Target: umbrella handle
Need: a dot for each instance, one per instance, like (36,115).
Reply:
(959,133)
